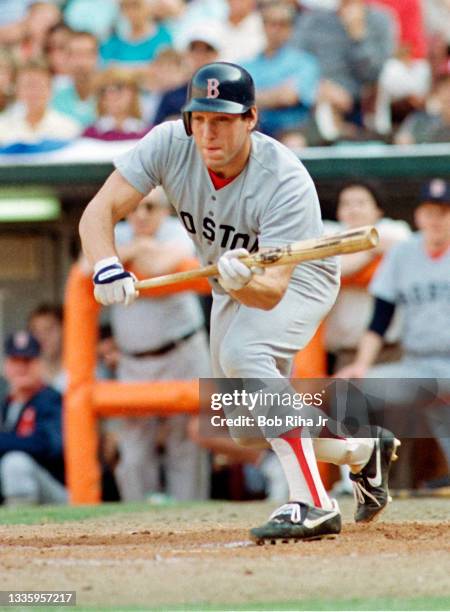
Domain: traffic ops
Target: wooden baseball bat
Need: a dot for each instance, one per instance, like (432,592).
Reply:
(351,241)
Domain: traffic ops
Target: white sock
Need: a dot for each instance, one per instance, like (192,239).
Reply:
(299,463)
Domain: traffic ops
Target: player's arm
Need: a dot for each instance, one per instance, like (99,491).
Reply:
(266,290)
(371,342)
(116,199)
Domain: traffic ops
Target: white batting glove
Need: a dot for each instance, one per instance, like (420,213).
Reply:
(234,274)
(112,283)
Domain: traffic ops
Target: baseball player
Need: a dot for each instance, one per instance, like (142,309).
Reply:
(237,191)
(414,276)
(156,338)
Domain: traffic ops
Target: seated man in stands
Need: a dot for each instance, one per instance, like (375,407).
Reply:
(76,98)
(31,448)
(432,124)
(286,79)
(352,44)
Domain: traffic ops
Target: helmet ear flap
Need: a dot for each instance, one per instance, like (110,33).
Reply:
(187,123)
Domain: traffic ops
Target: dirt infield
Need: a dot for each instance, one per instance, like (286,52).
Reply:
(201,555)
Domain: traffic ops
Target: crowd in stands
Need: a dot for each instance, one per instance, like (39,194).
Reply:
(326,71)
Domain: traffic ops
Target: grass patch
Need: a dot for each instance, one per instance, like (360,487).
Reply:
(31,515)
(34,515)
(383,603)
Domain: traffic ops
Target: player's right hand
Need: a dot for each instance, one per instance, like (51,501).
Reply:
(112,283)
(233,273)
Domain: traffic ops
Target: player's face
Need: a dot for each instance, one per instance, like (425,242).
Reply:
(357,207)
(23,374)
(223,140)
(434,221)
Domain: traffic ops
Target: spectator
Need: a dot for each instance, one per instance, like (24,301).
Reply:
(181,16)
(78,16)
(7,77)
(41,18)
(57,54)
(358,205)
(437,20)
(32,120)
(143,39)
(119,115)
(405,80)
(12,21)
(157,338)
(203,47)
(412,34)
(403,86)
(77,99)
(108,354)
(415,275)
(31,449)
(243,34)
(286,79)
(45,323)
(431,125)
(166,73)
(352,43)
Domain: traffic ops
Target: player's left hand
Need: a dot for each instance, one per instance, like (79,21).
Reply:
(234,274)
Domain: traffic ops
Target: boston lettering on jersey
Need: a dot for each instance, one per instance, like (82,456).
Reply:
(421,293)
(229,237)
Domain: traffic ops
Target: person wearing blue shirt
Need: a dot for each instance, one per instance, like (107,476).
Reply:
(142,40)
(77,98)
(286,79)
(31,441)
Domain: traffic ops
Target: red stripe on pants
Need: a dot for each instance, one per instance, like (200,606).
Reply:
(293,438)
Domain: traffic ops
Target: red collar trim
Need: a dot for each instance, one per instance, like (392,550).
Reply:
(219,181)
(438,254)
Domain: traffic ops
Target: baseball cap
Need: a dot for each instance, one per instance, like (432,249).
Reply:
(437,191)
(22,344)
(207,32)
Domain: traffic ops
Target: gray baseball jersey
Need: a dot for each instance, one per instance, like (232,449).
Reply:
(421,284)
(273,202)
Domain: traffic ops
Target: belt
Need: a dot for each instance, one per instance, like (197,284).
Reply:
(165,348)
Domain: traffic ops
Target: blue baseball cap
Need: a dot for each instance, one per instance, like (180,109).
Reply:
(22,344)
(437,191)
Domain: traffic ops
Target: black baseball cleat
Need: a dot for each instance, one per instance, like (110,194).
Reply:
(297,521)
(370,485)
